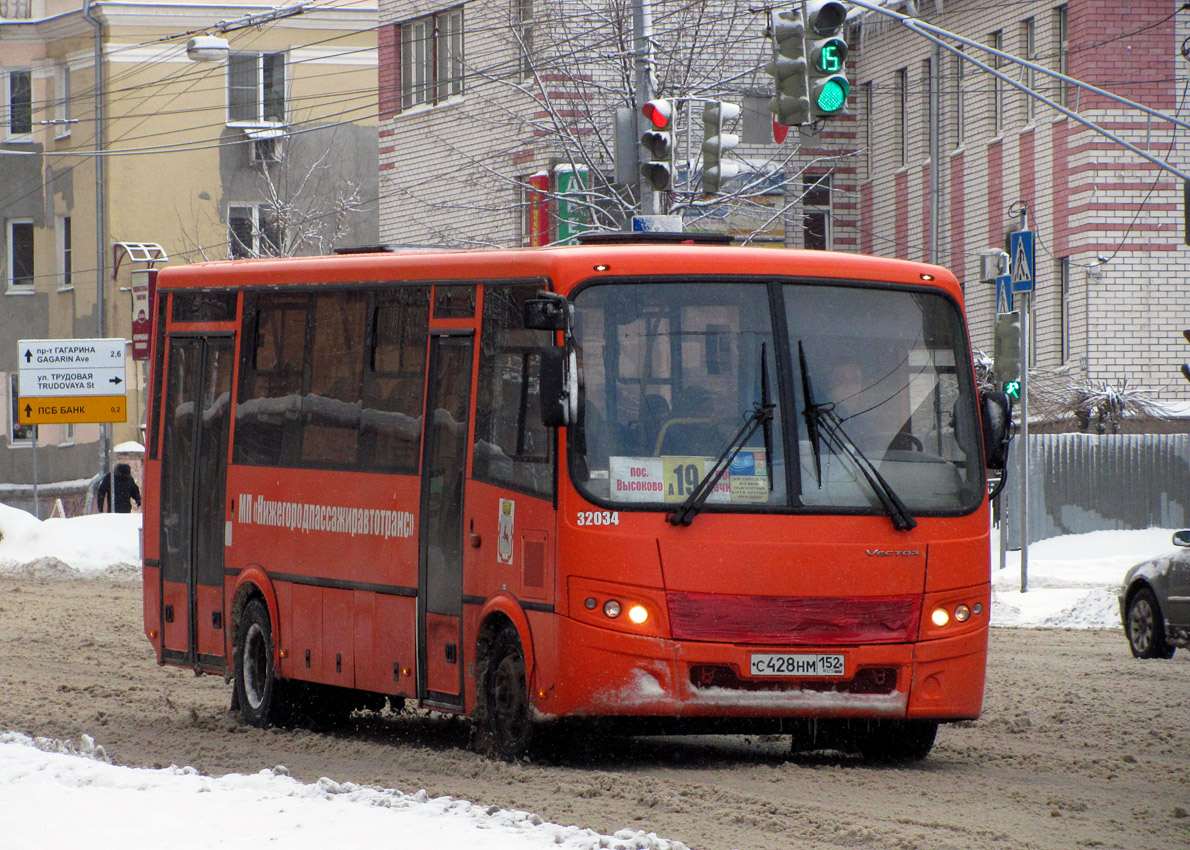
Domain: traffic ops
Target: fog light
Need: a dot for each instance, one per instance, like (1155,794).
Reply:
(590,603)
(611,608)
(962,613)
(978,608)
(940,617)
(638,614)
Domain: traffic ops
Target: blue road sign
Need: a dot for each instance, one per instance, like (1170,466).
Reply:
(1020,260)
(1004,294)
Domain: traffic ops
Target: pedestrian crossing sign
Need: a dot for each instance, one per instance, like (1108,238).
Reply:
(1020,260)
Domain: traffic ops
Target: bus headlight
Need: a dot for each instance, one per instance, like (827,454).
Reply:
(940,617)
(611,608)
(962,613)
(638,614)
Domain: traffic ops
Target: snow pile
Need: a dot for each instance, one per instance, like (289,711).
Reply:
(135,808)
(99,544)
(1072,580)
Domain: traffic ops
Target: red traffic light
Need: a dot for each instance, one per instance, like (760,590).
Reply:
(659,112)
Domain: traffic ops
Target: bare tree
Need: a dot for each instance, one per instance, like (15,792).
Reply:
(558,71)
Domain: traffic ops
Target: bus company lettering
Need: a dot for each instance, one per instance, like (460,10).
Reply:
(885,553)
(301,516)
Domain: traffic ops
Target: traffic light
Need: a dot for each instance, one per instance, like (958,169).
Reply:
(826,52)
(715,143)
(791,101)
(1007,353)
(658,166)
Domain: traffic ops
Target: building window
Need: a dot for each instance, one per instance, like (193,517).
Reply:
(868,102)
(20,103)
(66,435)
(1064,307)
(524,35)
(960,74)
(816,211)
(18,434)
(996,42)
(20,255)
(902,87)
(253,231)
(432,58)
(65,253)
(1062,36)
(1029,47)
(927,124)
(256,88)
(62,119)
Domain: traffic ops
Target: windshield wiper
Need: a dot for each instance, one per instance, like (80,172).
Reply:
(810,413)
(822,422)
(761,416)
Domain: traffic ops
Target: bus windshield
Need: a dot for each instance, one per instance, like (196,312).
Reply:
(868,378)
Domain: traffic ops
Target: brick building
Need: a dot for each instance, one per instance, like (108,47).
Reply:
(929,163)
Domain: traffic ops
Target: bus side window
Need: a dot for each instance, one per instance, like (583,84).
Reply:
(268,409)
(333,400)
(512,447)
(394,380)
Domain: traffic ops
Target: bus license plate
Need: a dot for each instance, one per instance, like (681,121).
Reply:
(797,665)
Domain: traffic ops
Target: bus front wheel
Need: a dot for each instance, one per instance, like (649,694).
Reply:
(260,694)
(898,741)
(506,725)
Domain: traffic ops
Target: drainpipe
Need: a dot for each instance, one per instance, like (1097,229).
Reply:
(100,246)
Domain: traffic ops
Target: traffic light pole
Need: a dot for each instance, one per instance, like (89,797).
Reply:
(642,28)
(1026,299)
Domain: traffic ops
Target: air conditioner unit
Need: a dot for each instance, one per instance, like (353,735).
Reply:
(264,150)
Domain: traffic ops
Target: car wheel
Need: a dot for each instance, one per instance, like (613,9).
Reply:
(263,697)
(1146,627)
(506,716)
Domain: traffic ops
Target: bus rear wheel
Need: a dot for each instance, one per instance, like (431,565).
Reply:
(260,694)
(506,724)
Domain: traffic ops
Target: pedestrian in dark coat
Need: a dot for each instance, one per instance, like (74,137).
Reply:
(126,490)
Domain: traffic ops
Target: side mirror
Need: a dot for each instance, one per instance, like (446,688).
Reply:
(995,410)
(547,314)
(1182,538)
(559,387)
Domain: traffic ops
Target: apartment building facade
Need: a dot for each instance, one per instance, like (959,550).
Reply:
(269,149)
(934,160)
(951,154)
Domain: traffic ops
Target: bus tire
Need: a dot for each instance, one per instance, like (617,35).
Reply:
(261,695)
(898,741)
(506,723)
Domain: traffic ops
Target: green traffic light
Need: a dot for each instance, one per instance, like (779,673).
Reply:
(833,94)
(1013,388)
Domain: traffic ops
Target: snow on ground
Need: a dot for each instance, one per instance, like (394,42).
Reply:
(1072,583)
(122,808)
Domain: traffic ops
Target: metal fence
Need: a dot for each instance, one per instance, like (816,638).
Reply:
(1087,482)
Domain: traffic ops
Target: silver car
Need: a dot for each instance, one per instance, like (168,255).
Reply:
(1155,602)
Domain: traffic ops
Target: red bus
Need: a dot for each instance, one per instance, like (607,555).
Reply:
(678,487)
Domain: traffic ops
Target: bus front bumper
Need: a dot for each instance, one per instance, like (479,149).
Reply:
(612,673)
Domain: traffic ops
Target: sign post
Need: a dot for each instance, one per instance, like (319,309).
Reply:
(1020,270)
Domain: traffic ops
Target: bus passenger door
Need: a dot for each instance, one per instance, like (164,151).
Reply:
(193,513)
(440,558)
